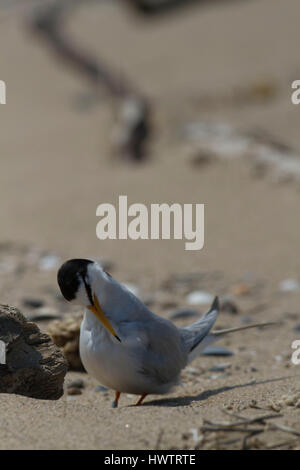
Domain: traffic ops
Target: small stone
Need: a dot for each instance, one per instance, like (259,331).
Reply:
(77,383)
(289,285)
(240,289)
(33,303)
(199,298)
(74,391)
(44,314)
(220,367)
(49,262)
(275,407)
(228,407)
(200,156)
(192,370)
(216,351)
(195,434)
(71,397)
(182,313)
(229,306)
(101,388)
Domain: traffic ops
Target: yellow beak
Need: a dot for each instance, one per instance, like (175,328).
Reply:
(97,310)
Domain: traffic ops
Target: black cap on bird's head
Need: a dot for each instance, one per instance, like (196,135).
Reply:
(77,279)
(70,277)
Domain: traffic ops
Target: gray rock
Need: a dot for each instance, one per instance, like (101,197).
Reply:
(220,367)
(49,262)
(216,351)
(180,313)
(34,366)
(33,303)
(74,391)
(77,383)
(101,388)
(44,314)
(289,285)
(199,298)
(228,306)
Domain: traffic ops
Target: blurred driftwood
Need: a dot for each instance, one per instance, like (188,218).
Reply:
(133,127)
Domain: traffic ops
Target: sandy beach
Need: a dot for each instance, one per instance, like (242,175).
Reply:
(228,63)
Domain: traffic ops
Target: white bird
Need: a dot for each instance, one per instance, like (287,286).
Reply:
(123,344)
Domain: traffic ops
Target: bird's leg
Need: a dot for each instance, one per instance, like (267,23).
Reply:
(141,399)
(116,400)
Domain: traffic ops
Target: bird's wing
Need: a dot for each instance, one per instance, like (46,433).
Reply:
(157,345)
(195,337)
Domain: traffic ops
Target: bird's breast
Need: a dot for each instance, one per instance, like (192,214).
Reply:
(113,364)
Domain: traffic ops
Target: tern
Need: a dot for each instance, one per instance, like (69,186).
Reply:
(123,344)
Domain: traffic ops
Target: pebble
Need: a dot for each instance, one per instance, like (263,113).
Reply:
(181,313)
(289,285)
(200,156)
(199,298)
(195,434)
(229,306)
(101,388)
(216,351)
(33,303)
(192,370)
(240,289)
(220,367)
(71,397)
(74,391)
(44,314)
(49,262)
(77,383)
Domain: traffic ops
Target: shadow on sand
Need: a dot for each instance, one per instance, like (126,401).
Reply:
(187,400)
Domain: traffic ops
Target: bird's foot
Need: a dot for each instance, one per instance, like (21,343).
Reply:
(139,402)
(116,400)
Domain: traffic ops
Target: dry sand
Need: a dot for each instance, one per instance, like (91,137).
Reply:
(56,168)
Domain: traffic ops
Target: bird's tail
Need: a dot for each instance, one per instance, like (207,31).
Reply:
(197,337)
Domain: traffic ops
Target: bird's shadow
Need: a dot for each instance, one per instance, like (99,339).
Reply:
(187,400)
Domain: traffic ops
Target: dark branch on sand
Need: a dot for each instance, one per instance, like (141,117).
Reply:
(134,111)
